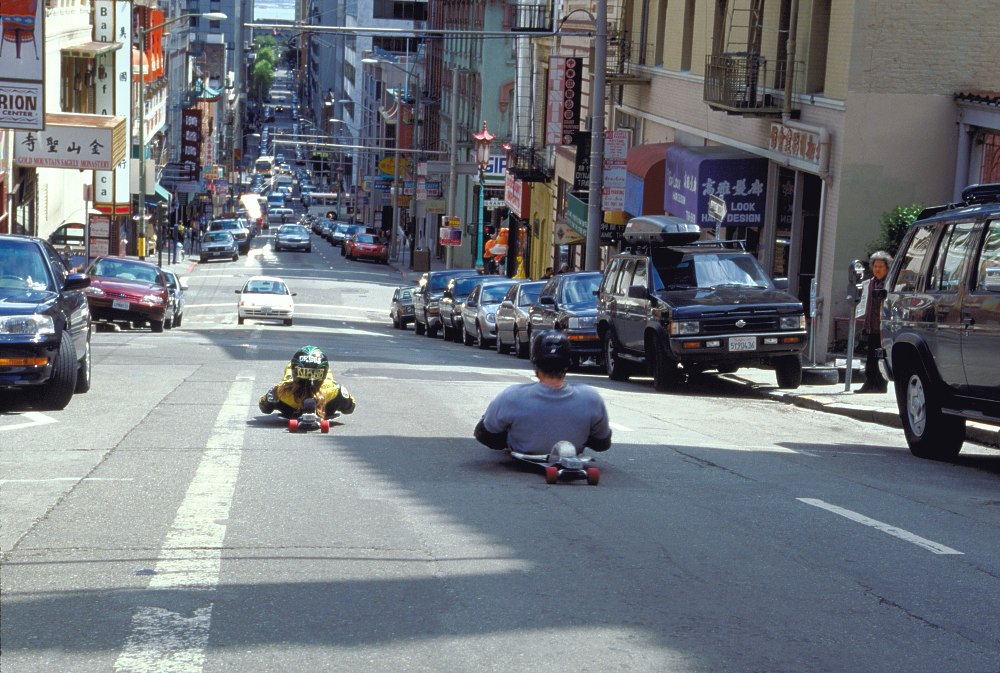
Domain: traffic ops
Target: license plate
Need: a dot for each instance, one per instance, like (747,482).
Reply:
(743,343)
(120,304)
(266,309)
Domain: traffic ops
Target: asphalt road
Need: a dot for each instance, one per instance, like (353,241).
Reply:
(161,523)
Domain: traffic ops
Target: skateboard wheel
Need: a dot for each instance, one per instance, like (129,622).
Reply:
(593,476)
(324,425)
(551,474)
(293,424)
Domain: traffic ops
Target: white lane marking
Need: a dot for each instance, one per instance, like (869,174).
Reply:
(619,427)
(930,545)
(34,418)
(191,555)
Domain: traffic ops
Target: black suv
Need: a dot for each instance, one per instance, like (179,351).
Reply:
(44,323)
(941,322)
(676,302)
(427,298)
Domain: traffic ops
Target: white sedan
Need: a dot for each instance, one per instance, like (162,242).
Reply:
(267,298)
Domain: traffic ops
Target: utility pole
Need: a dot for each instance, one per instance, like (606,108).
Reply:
(594,218)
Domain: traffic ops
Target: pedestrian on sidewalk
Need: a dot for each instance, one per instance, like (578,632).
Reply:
(871,334)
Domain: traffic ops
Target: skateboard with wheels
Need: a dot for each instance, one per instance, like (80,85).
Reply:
(307,422)
(558,467)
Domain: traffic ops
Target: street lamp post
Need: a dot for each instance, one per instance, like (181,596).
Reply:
(211,16)
(482,140)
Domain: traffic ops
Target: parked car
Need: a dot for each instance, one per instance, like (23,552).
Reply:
(265,298)
(236,228)
(512,317)
(340,233)
(366,246)
(292,237)
(427,298)
(452,300)
(349,232)
(568,302)
(401,307)
(218,245)
(941,323)
(44,323)
(127,290)
(675,305)
(72,235)
(176,286)
(479,323)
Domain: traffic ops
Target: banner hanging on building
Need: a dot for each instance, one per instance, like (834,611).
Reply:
(562,113)
(22,64)
(191,140)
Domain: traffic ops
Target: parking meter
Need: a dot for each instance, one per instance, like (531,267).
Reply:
(856,273)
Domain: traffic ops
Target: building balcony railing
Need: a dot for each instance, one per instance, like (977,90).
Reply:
(744,83)
(528,163)
(531,17)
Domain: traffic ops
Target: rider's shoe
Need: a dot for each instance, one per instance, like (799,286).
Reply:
(266,403)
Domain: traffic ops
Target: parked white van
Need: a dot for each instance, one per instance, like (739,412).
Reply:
(278,216)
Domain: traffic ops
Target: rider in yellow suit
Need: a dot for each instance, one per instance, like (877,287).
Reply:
(308,386)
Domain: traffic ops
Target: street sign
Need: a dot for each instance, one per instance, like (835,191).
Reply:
(717,208)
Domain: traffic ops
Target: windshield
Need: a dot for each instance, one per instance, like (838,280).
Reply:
(265,287)
(124,270)
(364,238)
(463,286)
(218,236)
(494,294)
(292,229)
(22,267)
(580,290)
(529,293)
(705,271)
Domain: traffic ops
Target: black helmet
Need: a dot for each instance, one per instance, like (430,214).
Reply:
(550,351)
(310,363)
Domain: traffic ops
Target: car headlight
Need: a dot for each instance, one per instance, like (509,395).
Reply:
(684,327)
(93,291)
(793,322)
(27,324)
(580,323)
(491,318)
(152,299)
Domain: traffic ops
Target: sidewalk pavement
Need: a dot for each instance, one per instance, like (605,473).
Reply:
(834,399)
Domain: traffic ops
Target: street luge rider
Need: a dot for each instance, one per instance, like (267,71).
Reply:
(532,417)
(307,386)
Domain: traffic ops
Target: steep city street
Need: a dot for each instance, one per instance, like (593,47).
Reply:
(162,523)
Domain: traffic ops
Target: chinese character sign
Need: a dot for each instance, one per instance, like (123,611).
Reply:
(694,174)
(562,116)
(191,140)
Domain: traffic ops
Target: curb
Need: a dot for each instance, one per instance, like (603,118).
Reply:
(978,433)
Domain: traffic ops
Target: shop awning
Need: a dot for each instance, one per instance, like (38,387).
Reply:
(695,173)
(90,49)
(159,195)
(644,181)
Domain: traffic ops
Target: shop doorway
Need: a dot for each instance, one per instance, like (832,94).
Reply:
(799,201)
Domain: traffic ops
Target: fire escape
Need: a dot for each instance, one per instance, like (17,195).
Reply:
(528,159)
(741,80)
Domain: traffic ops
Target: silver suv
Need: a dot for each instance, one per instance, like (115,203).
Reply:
(941,322)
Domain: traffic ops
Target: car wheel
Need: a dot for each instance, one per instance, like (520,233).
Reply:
(788,371)
(309,249)
(395,323)
(58,391)
(288,322)
(168,324)
(520,347)
(665,373)
(177,320)
(432,332)
(202,260)
(501,348)
(467,338)
(481,340)
(236,256)
(929,432)
(83,373)
(616,368)
(418,328)
(239,320)
(156,325)
(446,333)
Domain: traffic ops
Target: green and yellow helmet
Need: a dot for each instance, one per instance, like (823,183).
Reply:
(310,363)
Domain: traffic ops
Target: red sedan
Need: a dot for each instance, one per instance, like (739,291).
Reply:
(127,290)
(366,246)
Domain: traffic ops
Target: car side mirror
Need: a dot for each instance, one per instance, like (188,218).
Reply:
(780,284)
(76,281)
(637,291)
(471,303)
(239,291)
